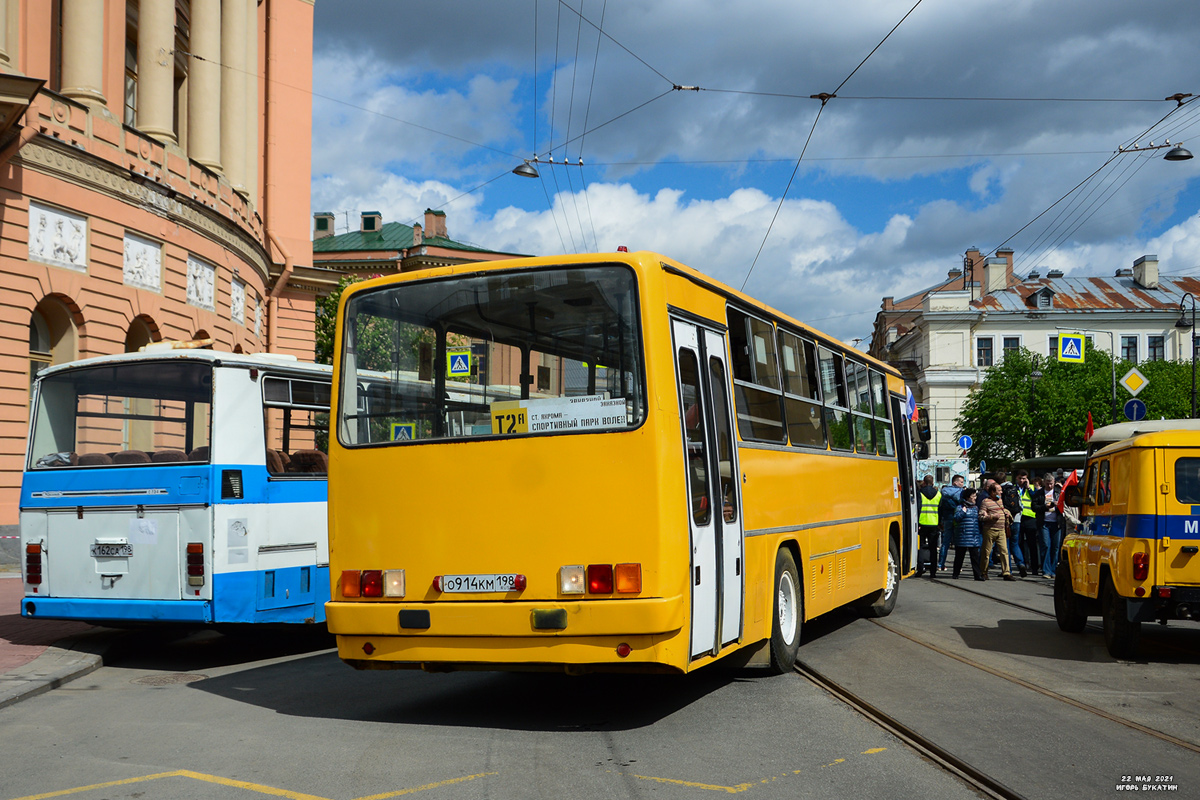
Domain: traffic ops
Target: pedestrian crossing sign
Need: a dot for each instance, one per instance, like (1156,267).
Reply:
(404,431)
(1070,348)
(458,364)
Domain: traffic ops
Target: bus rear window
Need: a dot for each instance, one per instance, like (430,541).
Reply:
(123,415)
(1187,480)
(492,354)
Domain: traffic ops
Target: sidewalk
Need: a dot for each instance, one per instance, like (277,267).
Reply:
(38,655)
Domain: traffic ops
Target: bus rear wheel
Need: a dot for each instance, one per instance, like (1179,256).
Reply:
(1067,607)
(1120,635)
(882,602)
(789,613)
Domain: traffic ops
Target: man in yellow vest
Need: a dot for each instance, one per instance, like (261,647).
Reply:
(1030,538)
(927,526)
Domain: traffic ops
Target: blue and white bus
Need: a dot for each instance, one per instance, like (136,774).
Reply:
(181,486)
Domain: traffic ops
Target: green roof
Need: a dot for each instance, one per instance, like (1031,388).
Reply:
(393,236)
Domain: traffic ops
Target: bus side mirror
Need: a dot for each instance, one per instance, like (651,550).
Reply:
(1073,497)
(923,428)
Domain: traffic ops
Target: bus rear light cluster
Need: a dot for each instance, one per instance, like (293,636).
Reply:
(373,583)
(600,579)
(195,563)
(1141,566)
(33,564)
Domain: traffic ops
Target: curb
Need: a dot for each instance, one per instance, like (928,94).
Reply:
(60,664)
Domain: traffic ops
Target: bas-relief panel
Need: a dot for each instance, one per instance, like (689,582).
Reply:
(201,284)
(237,302)
(143,263)
(258,319)
(57,237)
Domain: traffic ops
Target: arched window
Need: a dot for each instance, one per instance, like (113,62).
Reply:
(51,337)
(138,335)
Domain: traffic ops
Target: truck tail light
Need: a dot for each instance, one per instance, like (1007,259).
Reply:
(600,578)
(351,583)
(195,563)
(1141,566)
(33,564)
(628,578)
(372,583)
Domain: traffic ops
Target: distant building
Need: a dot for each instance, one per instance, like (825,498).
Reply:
(944,338)
(154,184)
(385,248)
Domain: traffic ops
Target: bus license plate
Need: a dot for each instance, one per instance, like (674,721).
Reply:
(479,583)
(112,550)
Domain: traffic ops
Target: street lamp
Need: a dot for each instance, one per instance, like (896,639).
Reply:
(1183,323)
(1034,377)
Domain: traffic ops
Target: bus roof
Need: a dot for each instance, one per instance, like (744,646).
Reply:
(275,362)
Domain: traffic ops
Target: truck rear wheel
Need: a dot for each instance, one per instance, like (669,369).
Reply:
(1067,608)
(1120,635)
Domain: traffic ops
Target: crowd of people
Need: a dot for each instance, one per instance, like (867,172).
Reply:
(1015,526)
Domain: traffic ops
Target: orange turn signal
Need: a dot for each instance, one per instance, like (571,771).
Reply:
(351,583)
(628,578)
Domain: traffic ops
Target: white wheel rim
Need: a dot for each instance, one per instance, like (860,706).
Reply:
(891,577)
(787,608)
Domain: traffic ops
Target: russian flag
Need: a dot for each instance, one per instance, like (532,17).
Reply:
(910,404)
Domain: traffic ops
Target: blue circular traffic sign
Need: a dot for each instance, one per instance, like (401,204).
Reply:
(965,442)
(1135,410)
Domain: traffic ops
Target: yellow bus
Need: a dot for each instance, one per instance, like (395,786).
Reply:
(599,463)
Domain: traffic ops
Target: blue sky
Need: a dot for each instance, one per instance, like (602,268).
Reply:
(430,105)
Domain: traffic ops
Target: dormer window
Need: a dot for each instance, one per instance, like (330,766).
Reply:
(1043,299)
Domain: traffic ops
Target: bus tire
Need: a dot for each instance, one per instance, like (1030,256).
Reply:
(883,601)
(1120,635)
(789,613)
(1068,610)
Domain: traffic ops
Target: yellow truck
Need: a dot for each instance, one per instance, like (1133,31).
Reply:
(1136,556)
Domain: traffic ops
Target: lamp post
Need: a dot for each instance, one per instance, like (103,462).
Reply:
(1034,377)
(1185,324)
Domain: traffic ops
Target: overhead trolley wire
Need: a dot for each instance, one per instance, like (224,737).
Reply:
(824,97)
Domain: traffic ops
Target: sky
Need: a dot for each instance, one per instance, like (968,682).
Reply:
(955,125)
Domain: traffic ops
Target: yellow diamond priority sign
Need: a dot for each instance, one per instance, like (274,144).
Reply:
(1134,381)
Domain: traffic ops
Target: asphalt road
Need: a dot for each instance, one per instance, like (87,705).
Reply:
(204,716)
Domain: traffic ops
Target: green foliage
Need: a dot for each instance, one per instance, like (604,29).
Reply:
(1009,419)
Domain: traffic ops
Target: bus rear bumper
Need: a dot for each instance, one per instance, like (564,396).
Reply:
(123,611)
(491,635)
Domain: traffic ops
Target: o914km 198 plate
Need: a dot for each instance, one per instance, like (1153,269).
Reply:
(506,582)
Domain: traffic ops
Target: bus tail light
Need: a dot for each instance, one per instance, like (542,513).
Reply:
(600,578)
(195,563)
(1141,566)
(33,564)
(571,580)
(351,583)
(393,583)
(372,583)
(628,578)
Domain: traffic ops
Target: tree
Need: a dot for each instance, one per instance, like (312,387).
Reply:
(1010,416)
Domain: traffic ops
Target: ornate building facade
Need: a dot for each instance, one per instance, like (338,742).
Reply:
(155,164)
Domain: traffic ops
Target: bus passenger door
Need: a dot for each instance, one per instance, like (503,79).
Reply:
(716,557)
(902,432)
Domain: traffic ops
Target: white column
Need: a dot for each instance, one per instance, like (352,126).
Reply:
(233,91)
(82,50)
(252,115)
(4,60)
(156,68)
(204,84)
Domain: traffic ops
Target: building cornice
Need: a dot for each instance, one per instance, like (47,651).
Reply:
(48,157)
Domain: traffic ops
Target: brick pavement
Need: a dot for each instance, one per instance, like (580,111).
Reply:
(22,640)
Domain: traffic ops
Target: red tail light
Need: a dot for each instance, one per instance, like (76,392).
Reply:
(1141,566)
(195,563)
(33,564)
(372,583)
(600,578)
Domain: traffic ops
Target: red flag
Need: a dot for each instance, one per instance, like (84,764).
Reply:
(1071,480)
(1087,434)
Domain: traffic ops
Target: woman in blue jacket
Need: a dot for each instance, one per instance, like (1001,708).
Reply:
(967,538)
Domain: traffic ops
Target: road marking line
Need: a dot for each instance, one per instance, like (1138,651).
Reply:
(429,786)
(253,787)
(873,751)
